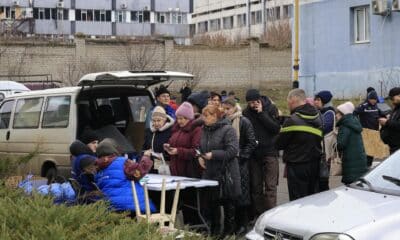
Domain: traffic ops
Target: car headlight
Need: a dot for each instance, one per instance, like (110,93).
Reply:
(331,236)
(258,227)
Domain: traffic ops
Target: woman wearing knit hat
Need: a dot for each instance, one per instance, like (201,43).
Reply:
(349,142)
(159,132)
(163,98)
(184,141)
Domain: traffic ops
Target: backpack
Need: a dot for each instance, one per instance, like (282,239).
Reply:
(330,140)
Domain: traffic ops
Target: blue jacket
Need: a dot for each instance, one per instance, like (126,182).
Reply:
(328,115)
(369,115)
(117,188)
(83,179)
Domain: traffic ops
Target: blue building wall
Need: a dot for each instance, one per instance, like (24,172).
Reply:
(329,58)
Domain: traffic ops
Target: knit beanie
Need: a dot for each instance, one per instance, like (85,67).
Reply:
(159,112)
(346,108)
(394,92)
(372,95)
(370,89)
(107,147)
(325,96)
(200,99)
(87,161)
(161,90)
(185,110)
(88,136)
(252,95)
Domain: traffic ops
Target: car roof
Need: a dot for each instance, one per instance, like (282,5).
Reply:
(36,93)
(134,78)
(6,85)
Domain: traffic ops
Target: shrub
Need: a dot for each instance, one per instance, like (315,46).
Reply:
(36,217)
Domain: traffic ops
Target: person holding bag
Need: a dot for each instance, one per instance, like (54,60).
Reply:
(349,142)
(219,147)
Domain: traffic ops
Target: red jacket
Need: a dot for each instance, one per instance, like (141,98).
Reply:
(186,140)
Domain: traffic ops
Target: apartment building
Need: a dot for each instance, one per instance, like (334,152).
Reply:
(100,18)
(244,18)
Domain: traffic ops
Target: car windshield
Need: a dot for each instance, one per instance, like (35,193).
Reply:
(385,177)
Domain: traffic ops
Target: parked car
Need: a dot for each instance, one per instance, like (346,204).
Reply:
(49,120)
(10,87)
(368,209)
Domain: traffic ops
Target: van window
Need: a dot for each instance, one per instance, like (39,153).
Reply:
(56,114)
(27,113)
(5,114)
(119,114)
(140,106)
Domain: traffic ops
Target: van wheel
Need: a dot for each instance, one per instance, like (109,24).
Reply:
(51,175)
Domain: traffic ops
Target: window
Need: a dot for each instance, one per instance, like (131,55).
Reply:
(227,22)
(215,25)
(41,13)
(256,17)
(140,105)
(56,114)
(361,24)
(47,14)
(5,114)
(118,114)
(140,16)
(202,27)
(83,15)
(27,113)
(241,20)
(161,17)
(287,11)
(103,16)
(278,12)
(121,16)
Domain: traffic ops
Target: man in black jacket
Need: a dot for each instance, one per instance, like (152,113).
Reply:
(390,131)
(300,138)
(264,165)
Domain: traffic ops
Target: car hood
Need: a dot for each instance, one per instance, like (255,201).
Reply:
(340,210)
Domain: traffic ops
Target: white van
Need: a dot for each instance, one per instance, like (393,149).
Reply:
(10,87)
(50,120)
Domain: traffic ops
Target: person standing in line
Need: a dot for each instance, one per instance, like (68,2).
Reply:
(369,114)
(264,164)
(350,143)
(323,102)
(247,144)
(163,97)
(219,148)
(390,131)
(300,139)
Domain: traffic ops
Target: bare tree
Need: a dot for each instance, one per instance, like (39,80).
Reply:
(278,34)
(140,56)
(16,65)
(73,70)
(389,78)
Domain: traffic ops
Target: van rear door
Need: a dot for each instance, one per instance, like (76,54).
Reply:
(6,112)
(133,78)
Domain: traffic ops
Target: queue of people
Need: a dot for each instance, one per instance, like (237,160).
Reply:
(209,136)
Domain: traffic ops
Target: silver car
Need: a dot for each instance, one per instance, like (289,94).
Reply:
(368,209)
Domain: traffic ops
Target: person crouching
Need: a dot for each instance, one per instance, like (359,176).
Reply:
(115,175)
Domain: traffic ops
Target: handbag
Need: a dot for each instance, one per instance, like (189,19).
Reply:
(162,167)
(336,164)
(323,163)
(226,185)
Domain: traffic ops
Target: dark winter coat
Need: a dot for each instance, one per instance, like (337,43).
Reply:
(328,116)
(266,127)
(186,140)
(155,139)
(220,139)
(185,92)
(301,135)
(369,115)
(117,188)
(390,133)
(79,150)
(350,143)
(247,144)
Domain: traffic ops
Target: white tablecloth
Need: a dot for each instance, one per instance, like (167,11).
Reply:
(154,182)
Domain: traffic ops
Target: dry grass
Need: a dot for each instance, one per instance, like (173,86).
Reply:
(278,34)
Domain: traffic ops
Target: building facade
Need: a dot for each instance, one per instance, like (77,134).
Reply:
(142,18)
(346,47)
(238,18)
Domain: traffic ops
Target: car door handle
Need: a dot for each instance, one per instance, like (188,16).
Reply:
(8,135)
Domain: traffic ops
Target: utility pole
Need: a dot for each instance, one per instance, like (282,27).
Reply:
(296,60)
